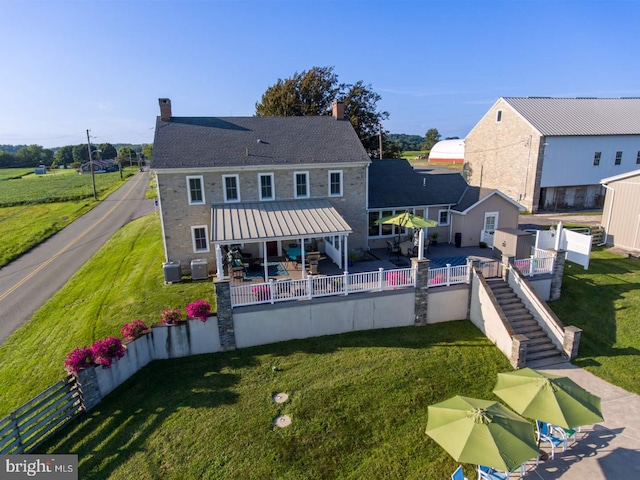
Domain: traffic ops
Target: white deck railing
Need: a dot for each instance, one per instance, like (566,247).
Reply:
(345,284)
(533,265)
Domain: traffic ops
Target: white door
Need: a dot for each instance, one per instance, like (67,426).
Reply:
(490,225)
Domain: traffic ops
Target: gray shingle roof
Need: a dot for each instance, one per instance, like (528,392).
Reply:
(580,116)
(394,183)
(471,196)
(194,142)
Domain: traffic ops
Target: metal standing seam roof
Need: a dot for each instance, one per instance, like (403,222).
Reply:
(579,116)
(265,221)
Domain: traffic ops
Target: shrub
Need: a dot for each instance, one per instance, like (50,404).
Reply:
(199,309)
(395,278)
(171,316)
(262,292)
(104,351)
(78,359)
(133,330)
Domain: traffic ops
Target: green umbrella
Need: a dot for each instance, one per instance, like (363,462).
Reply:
(482,432)
(407,220)
(549,398)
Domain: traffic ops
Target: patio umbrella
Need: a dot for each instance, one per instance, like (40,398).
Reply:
(550,398)
(407,220)
(482,432)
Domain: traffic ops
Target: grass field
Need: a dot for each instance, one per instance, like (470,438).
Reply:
(122,282)
(6,173)
(27,224)
(358,404)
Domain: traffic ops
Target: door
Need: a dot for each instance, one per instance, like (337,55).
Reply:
(490,225)
(272,249)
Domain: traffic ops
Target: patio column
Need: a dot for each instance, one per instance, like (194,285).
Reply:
(421,268)
(265,259)
(421,244)
(346,255)
(302,256)
(220,270)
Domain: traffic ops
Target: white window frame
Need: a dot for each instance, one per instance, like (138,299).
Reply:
(499,116)
(295,184)
(193,238)
(596,158)
(440,212)
(487,215)
(272,184)
(332,172)
(189,199)
(224,188)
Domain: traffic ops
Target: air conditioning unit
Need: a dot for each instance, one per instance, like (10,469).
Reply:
(199,269)
(171,272)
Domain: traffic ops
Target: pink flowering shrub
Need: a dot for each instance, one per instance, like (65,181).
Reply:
(104,351)
(262,292)
(199,309)
(395,278)
(133,330)
(170,316)
(439,279)
(78,359)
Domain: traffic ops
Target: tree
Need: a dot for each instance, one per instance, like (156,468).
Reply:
(108,151)
(64,155)
(126,156)
(34,155)
(312,92)
(147,151)
(430,139)
(7,159)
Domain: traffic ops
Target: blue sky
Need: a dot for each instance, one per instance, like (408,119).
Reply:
(69,66)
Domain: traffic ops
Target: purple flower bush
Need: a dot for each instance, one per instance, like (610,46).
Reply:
(199,309)
(78,359)
(133,330)
(170,316)
(104,351)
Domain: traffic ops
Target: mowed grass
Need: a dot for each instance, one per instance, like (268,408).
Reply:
(604,301)
(26,224)
(6,173)
(358,405)
(122,282)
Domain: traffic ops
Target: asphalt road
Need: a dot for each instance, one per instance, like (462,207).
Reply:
(28,282)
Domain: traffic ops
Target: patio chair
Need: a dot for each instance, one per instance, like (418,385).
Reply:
(458,474)
(393,247)
(488,473)
(565,433)
(548,435)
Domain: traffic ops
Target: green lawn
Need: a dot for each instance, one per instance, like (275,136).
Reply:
(358,404)
(122,282)
(7,173)
(605,302)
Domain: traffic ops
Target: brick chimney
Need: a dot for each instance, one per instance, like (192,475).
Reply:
(338,110)
(165,109)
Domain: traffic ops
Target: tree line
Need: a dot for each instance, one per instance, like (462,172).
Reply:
(72,156)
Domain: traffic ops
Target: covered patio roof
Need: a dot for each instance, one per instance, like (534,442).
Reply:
(279,220)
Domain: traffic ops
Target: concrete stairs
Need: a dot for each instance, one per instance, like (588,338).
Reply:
(540,350)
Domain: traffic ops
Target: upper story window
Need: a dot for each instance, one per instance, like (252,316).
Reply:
(199,238)
(618,160)
(231,185)
(301,184)
(335,183)
(499,116)
(443,217)
(596,158)
(638,158)
(266,186)
(195,189)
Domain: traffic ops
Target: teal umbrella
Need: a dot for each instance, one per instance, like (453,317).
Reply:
(549,398)
(482,432)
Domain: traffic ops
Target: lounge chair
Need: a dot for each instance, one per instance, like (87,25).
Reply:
(458,474)
(488,473)
(550,436)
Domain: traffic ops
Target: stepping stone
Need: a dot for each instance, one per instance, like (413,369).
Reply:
(282,421)
(280,397)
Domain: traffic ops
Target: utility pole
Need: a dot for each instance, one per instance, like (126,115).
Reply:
(380,139)
(93,176)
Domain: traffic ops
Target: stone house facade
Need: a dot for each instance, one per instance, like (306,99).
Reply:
(550,153)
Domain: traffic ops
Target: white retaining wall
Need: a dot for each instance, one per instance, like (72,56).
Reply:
(447,303)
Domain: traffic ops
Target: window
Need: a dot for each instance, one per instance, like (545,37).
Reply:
(374,229)
(443,217)
(266,186)
(596,158)
(195,190)
(618,160)
(499,116)
(301,184)
(638,158)
(199,238)
(335,183)
(231,190)
(490,221)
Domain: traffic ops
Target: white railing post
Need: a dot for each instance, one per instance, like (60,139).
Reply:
(414,273)
(309,286)
(531,266)
(380,278)
(272,291)
(448,274)
(346,282)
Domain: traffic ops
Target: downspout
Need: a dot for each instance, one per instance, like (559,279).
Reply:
(606,231)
